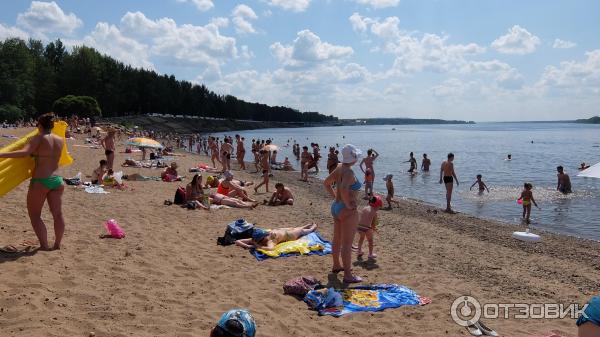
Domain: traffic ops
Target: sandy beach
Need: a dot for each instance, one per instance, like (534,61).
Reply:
(168,277)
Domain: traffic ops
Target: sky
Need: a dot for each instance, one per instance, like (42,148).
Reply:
(492,60)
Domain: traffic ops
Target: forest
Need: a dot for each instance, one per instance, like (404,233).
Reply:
(33,76)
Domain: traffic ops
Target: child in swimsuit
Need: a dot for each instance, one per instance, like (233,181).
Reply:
(368,224)
(369,183)
(389,184)
(527,199)
(482,185)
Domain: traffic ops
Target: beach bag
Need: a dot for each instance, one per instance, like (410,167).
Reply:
(300,286)
(179,196)
(239,226)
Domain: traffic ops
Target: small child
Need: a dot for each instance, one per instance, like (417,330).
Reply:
(99,172)
(482,186)
(389,184)
(527,199)
(369,183)
(367,224)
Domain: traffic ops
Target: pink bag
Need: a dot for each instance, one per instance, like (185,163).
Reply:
(299,286)
(114,230)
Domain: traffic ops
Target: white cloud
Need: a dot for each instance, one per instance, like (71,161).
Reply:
(108,39)
(379,3)
(291,5)
(562,44)
(7,32)
(220,22)
(572,75)
(450,88)
(47,17)
(429,52)
(359,24)
(241,16)
(505,76)
(308,49)
(202,5)
(517,41)
(182,45)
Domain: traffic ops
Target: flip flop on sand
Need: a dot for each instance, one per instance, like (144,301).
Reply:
(354,279)
(486,330)
(474,330)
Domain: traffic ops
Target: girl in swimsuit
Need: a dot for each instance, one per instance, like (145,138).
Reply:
(344,211)
(46,149)
(527,199)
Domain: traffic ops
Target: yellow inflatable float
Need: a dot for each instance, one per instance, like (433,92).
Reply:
(13,171)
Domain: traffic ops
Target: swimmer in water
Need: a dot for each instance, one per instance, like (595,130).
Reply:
(413,164)
(482,186)
(425,163)
(509,157)
(564,182)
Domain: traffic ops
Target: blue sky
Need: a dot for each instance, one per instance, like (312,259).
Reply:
(470,59)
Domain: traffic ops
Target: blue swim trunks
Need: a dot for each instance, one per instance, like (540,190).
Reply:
(591,313)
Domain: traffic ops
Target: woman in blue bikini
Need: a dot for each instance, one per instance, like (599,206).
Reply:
(344,211)
(46,149)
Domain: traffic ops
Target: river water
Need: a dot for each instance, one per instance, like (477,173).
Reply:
(536,148)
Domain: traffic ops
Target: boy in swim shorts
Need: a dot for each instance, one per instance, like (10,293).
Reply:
(368,183)
(367,224)
(482,185)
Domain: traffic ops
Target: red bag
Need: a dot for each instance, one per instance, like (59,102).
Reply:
(179,196)
(300,286)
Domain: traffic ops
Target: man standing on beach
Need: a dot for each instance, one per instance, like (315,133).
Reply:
(368,162)
(447,176)
(564,182)
(108,143)
(240,152)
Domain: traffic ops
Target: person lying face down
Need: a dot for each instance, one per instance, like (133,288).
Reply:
(268,239)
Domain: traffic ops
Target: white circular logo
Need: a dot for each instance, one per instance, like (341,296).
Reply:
(465,310)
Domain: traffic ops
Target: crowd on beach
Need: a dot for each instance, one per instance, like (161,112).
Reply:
(214,183)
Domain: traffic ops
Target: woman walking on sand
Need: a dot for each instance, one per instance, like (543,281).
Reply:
(45,148)
(344,211)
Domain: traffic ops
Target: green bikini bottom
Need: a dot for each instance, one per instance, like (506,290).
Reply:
(50,183)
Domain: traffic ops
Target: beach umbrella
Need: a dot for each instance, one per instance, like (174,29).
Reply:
(270,147)
(592,172)
(144,142)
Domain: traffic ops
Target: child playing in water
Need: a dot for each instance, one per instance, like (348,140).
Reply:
(527,199)
(389,184)
(367,224)
(482,185)
(368,183)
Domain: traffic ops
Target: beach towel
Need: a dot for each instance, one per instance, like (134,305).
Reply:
(376,297)
(311,244)
(94,189)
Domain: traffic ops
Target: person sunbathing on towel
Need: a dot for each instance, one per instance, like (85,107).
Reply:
(267,240)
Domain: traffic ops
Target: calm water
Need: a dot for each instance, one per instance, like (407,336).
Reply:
(479,149)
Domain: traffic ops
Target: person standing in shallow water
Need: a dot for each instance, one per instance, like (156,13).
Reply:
(564,182)
(447,176)
(46,149)
(425,163)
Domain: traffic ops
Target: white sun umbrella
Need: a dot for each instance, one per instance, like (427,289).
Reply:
(592,172)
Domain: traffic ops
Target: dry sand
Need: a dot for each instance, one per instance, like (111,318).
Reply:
(169,278)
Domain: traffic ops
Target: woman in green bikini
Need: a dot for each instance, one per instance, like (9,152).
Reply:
(45,148)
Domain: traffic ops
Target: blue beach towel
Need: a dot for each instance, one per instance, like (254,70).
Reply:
(376,297)
(311,244)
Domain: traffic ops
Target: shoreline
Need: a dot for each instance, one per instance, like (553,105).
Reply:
(168,277)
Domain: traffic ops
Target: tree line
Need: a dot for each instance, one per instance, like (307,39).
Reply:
(33,76)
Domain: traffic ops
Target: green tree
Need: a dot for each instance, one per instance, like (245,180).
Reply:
(10,113)
(82,106)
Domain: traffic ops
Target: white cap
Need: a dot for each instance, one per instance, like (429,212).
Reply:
(350,154)
(227,175)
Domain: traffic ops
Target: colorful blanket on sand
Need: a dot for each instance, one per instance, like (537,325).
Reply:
(376,297)
(311,244)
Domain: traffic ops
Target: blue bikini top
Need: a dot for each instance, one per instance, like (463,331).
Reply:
(357,185)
